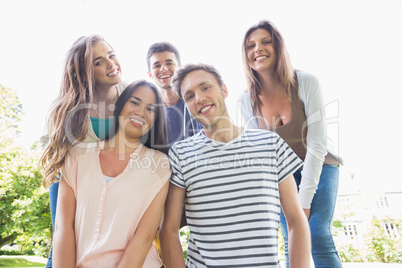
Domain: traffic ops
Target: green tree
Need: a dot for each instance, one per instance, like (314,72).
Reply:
(385,247)
(24,205)
(10,116)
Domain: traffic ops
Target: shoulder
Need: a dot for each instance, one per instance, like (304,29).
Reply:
(307,80)
(245,97)
(159,162)
(309,86)
(306,77)
(155,154)
(179,105)
(83,148)
(259,132)
(190,141)
(189,147)
(121,87)
(260,135)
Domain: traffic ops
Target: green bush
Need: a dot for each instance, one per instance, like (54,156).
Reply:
(376,246)
(24,203)
(385,248)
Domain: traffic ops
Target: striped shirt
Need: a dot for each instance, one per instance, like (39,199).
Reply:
(232,197)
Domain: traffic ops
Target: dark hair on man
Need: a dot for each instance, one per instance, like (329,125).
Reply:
(156,138)
(180,74)
(159,48)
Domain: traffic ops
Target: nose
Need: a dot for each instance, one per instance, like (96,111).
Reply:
(199,97)
(140,110)
(257,47)
(163,68)
(109,63)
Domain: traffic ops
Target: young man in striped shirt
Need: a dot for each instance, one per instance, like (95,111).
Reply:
(232,182)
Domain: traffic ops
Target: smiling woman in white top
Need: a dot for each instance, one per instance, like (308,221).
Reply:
(290,103)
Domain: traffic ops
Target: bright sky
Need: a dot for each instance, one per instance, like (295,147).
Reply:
(353,47)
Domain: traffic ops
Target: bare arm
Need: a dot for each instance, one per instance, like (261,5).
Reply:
(137,249)
(64,235)
(298,229)
(172,253)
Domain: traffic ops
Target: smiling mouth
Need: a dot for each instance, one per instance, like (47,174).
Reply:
(164,76)
(260,58)
(115,72)
(205,109)
(137,122)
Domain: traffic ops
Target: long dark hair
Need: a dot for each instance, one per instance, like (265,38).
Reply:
(156,137)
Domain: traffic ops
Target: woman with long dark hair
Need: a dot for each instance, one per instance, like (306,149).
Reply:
(112,192)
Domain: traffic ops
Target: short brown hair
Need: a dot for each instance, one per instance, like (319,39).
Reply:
(185,70)
(159,48)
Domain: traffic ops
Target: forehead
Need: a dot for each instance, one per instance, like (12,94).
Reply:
(146,94)
(258,34)
(196,79)
(162,57)
(100,47)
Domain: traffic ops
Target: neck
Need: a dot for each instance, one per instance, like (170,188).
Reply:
(169,96)
(223,131)
(121,144)
(105,94)
(269,83)
(103,98)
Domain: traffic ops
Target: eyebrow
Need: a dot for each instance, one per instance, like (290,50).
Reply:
(199,85)
(158,62)
(139,99)
(100,57)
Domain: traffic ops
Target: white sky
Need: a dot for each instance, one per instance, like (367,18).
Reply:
(353,47)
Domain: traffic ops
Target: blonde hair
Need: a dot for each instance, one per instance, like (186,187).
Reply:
(284,70)
(69,113)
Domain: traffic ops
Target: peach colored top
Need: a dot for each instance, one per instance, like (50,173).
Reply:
(107,216)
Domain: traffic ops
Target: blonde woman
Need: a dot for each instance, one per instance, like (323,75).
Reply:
(83,111)
(290,103)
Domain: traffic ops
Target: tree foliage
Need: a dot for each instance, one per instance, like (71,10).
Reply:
(24,204)
(10,115)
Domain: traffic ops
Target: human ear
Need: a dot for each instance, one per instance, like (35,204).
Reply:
(225,91)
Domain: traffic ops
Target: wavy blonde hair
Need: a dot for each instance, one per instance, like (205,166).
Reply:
(284,70)
(69,113)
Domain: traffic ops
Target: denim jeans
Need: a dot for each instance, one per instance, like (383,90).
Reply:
(321,214)
(53,192)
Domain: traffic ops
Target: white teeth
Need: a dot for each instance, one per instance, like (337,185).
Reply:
(205,108)
(137,121)
(114,73)
(261,57)
(165,76)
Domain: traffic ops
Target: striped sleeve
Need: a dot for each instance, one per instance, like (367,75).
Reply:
(177,177)
(287,161)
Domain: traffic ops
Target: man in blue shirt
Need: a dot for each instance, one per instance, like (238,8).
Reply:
(163,60)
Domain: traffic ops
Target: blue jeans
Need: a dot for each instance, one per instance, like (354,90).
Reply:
(53,192)
(321,213)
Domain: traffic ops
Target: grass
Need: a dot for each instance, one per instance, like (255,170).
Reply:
(18,262)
